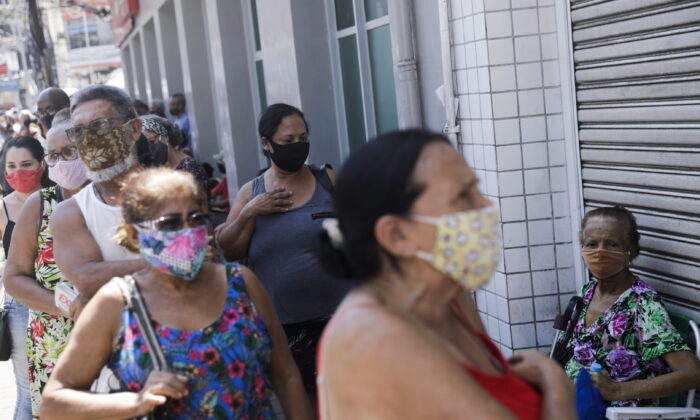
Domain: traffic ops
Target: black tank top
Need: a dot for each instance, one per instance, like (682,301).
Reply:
(7,235)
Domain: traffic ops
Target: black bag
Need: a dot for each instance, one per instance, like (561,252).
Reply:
(562,351)
(5,337)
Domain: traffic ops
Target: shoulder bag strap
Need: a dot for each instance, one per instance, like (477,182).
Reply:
(322,176)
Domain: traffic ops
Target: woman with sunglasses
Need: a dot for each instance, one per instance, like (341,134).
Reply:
(31,273)
(25,173)
(218,330)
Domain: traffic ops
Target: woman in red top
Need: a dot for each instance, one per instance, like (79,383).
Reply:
(417,236)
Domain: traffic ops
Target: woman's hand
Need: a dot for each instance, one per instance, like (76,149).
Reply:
(539,370)
(608,388)
(275,201)
(159,386)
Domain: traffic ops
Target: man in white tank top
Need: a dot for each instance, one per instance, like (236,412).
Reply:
(104,129)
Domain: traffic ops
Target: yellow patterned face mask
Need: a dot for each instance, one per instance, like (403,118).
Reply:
(467,245)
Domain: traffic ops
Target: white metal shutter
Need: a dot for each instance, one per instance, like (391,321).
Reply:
(637,72)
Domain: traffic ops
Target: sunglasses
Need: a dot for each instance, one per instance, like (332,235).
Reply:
(68,153)
(100,127)
(175,221)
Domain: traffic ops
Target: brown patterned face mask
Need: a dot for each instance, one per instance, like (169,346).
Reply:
(107,154)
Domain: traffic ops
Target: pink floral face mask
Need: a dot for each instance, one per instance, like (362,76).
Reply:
(176,252)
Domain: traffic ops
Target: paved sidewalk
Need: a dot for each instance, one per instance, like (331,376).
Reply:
(7,391)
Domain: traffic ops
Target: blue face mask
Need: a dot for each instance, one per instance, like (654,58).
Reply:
(176,252)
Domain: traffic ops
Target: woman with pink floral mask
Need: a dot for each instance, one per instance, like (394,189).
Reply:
(624,325)
(25,172)
(31,273)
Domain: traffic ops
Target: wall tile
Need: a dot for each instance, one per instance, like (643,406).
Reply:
(558,178)
(473,80)
(478,5)
(500,51)
(535,155)
(494,329)
(545,333)
(525,22)
(567,280)
(502,78)
(465,126)
(460,58)
(498,24)
(492,183)
(456,8)
(503,314)
(531,102)
(519,4)
(540,232)
(507,131)
(504,105)
(546,307)
(564,255)
(542,257)
(533,129)
(467,8)
(474,106)
(491,5)
(509,157)
(550,72)
(514,234)
(470,52)
(504,332)
(529,75)
(564,299)
(555,127)
(521,310)
(510,183)
(506,351)
(462,82)
(544,282)
(512,209)
(539,206)
(490,158)
(478,156)
(536,181)
(469,28)
(458,31)
(552,100)
(523,336)
(550,49)
(486,107)
(481,300)
(492,303)
(548,22)
(519,285)
(485,82)
(482,53)
(487,129)
(562,230)
(557,152)
(560,204)
(500,287)
(546,2)
(527,48)
(517,260)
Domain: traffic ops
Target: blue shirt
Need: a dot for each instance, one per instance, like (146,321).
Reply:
(183,123)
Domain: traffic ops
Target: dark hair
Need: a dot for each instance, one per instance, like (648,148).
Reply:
(120,100)
(272,117)
(621,215)
(180,97)
(34,147)
(140,105)
(377,179)
(208,169)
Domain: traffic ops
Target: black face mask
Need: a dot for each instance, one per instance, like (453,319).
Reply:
(289,157)
(222,167)
(151,156)
(46,120)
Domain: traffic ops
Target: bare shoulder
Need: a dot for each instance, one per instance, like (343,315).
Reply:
(331,174)
(246,191)
(67,213)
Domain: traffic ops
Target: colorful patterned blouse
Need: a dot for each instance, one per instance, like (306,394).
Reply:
(227,363)
(628,340)
(47,334)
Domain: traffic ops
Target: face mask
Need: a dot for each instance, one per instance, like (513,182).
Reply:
(174,111)
(106,156)
(289,157)
(47,120)
(24,180)
(69,174)
(467,245)
(151,155)
(176,252)
(603,263)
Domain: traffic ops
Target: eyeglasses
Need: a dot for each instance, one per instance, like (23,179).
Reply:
(68,153)
(176,221)
(100,127)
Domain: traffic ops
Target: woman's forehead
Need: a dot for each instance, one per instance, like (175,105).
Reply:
(605,226)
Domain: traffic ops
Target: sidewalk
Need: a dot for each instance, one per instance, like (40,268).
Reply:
(7,391)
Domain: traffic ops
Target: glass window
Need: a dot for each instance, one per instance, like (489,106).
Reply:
(382,67)
(260,73)
(344,14)
(77,39)
(352,90)
(256,28)
(375,9)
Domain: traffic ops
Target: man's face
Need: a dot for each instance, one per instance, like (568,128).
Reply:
(175,107)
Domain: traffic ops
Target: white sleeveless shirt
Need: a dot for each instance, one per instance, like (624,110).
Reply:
(102,221)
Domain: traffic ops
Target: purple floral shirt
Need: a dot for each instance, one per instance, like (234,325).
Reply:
(628,340)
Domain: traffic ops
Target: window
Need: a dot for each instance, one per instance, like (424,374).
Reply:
(259,70)
(256,69)
(366,68)
(77,36)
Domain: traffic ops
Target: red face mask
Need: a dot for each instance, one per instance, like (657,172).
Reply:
(603,263)
(24,180)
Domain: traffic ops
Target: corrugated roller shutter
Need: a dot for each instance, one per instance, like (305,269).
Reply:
(637,72)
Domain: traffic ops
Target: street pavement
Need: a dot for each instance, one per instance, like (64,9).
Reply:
(7,391)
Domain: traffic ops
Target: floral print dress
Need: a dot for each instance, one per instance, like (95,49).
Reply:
(48,334)
(226,363)
(628,340)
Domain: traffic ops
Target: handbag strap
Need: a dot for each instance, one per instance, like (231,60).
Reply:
(134,301)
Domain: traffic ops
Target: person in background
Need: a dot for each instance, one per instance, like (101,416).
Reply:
(623,325)
(28,123)
(31,273)
(158,108)
(217,327)
(182,119)
(26,173)
(275,222)
(220,191)
(49,102)
(211,181)
(140,107)
(417,237)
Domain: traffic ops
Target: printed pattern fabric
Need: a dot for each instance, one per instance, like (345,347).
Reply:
(226,363)
(628,340)
(47,334)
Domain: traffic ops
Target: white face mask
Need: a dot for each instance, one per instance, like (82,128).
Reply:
(467,245)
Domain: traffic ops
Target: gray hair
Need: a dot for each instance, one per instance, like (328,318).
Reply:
(120,100)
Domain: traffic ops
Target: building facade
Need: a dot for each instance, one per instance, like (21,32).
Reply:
(559,106)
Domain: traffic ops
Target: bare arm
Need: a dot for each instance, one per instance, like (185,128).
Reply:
(78,255)
(19,276)
(685,375)
(66,395)
(285,377)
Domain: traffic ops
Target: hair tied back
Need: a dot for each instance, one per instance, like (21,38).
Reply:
(332,228)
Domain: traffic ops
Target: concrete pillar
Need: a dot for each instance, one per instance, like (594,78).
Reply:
(408,100)
(196,77)
(128,73)
(150,58)
(139,69)
(168,51)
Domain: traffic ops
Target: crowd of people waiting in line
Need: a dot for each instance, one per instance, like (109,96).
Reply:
(356,294)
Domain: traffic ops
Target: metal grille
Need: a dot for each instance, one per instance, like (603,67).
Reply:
(637,72)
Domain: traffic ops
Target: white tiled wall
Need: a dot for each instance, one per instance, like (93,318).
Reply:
(506,69)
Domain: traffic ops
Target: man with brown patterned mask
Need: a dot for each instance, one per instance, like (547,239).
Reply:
(104,130)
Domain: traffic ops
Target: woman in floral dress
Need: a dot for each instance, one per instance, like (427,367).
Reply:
(624,325)
(31,271)
(223,343)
